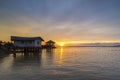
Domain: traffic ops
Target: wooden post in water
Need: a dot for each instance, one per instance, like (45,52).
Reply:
(14,51)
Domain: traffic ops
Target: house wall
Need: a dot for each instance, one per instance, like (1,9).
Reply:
(28,43)
(37,43)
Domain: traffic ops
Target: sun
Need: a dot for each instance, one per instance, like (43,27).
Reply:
(62,44)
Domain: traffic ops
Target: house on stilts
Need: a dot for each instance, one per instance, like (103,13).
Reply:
(50,44)
(27,44)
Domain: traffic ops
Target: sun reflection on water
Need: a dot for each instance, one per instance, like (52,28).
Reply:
(61,56)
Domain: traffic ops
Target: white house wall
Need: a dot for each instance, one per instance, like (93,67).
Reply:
(36,43)
(27,44)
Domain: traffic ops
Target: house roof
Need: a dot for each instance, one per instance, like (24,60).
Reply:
(50,41)
(13,38)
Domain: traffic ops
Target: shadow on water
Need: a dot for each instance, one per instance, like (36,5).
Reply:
(50,52)
(21,59)
(50,55)
(28,58)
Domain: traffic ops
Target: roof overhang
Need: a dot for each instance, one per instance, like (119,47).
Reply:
(14,38)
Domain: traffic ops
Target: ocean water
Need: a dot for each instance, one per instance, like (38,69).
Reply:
(63,63)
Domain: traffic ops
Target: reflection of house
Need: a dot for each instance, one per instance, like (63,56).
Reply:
(50,44)
(27,42)
(28,58)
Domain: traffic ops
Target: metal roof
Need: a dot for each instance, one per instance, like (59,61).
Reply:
(13,38)
(50,41)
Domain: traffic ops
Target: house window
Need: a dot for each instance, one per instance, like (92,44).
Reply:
(38,42)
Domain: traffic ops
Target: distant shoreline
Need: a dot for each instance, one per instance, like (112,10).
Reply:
(91,46)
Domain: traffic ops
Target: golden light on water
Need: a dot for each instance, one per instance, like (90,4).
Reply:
(60,56)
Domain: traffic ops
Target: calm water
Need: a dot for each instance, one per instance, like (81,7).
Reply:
(67,63)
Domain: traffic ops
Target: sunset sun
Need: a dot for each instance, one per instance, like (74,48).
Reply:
(62,44)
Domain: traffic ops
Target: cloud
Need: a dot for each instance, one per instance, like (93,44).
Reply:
(64,20)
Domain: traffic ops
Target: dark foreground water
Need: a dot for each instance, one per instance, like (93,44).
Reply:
(67,63)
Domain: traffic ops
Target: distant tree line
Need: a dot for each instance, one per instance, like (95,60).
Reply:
(6,45)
